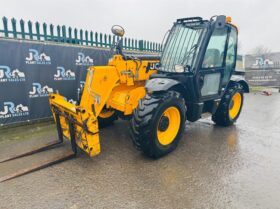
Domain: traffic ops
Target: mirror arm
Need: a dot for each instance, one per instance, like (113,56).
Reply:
(119,49)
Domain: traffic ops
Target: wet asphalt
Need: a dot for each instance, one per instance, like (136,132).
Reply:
(213,167)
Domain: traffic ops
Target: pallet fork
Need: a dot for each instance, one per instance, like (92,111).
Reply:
(47,146)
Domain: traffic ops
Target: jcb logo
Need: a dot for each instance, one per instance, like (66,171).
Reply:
(39,91)
(153,66)
(62,74)
(12,110)
(35,58)
(8,75)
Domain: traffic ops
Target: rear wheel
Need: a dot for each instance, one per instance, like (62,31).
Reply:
(106,118)
(230,106)
(158,123)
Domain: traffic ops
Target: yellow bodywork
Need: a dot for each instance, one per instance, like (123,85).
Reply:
(117,86)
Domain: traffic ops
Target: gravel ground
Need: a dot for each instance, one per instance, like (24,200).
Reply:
(213,167)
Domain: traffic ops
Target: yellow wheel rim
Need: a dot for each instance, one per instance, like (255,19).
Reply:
(235,105)
(168,125)
(106,113)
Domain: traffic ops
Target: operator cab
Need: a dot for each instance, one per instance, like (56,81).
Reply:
(201,54)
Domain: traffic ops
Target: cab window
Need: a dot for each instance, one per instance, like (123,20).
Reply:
(231,55)
(214,54)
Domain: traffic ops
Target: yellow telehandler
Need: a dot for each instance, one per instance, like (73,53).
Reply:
(195,74)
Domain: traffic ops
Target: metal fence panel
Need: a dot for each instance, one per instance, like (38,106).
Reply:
(45,32)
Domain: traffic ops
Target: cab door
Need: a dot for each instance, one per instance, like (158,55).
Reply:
(212,74)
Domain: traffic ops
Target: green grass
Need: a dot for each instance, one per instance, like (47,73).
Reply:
(261,88)
(24,132)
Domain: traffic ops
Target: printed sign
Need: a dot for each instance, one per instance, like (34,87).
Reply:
(37,69)
(35,58)
(263,70)
(8,75)
(11,110)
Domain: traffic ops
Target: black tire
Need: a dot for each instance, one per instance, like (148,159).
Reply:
(222,116)
(145,120)
(108,121)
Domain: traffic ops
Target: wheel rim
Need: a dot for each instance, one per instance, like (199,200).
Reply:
(168,125)
(106,113)
(235,105)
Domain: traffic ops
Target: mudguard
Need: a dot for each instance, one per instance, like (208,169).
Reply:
(240,79)
(160,84)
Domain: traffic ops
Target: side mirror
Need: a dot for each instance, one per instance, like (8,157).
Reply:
(117,30)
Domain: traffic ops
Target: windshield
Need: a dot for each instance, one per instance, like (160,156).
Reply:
(181,47)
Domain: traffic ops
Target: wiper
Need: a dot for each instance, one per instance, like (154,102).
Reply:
(186,57)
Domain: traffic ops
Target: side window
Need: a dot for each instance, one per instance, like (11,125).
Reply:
(214,54)
(231,55)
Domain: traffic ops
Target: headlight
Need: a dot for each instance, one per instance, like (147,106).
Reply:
(179,68)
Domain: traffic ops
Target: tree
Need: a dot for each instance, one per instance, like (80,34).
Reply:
(261,51)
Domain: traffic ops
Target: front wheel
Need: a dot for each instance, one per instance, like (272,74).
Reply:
(158,123)
(230,106)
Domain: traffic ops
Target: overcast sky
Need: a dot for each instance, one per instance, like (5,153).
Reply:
(258,20)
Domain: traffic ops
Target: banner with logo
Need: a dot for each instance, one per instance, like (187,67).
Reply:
(263,70)
(29,71)
(263,77)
